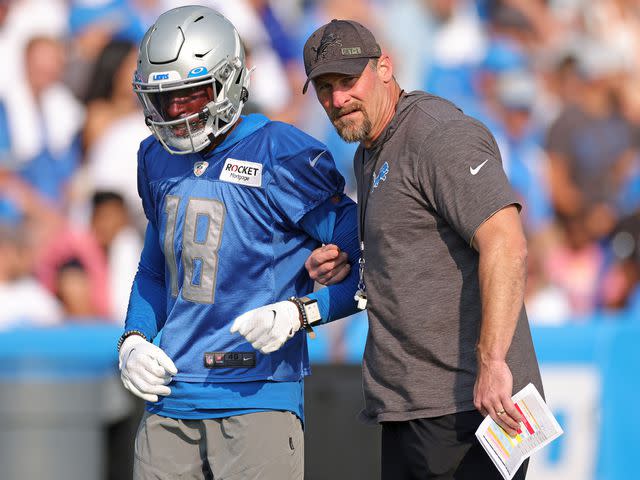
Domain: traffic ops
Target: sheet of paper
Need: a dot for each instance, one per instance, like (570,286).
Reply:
(539,428)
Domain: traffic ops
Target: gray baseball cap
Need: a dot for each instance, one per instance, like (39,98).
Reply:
(340,46)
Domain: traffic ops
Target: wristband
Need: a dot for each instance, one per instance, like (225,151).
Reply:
(127,334)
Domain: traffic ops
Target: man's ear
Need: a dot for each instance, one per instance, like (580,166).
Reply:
(385,68)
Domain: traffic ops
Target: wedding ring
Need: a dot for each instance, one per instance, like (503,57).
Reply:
(500,412)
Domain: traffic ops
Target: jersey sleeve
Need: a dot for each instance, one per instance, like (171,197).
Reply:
(303,174)
(147,310)
(144,190)
(335,221)
(460,172)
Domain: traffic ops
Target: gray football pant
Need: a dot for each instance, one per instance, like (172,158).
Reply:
(260,446)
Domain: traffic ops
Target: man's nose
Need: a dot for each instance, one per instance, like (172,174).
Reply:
(339,98)
(175,109)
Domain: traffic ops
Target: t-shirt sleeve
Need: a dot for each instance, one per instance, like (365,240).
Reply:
(304,175)
(460,171)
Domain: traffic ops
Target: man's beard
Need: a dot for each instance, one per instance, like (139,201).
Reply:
(349,130)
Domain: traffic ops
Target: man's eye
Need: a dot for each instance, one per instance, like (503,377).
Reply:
(348,81)
(198,96)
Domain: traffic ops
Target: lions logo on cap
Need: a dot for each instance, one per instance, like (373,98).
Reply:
(328,40)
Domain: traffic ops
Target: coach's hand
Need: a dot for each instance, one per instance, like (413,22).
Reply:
(328,265)
(268,327)
(145,369)
(492,394)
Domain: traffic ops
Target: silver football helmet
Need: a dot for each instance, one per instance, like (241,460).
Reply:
(187,47)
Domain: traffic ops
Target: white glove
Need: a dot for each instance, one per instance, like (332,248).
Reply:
(145,369)
(268,327)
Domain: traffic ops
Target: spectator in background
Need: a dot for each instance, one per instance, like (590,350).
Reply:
(112,133)
(547,302)
(590,146)
(73,244)
(577,264)
(284,46)
(121,244)
(92,25)
(621,282)
(73,288)
(24,301)
(20,21)
(48,119)
(19,202)
(109,95)
(458,45)
(516,96)
(559,80)
(503,56)
(530,23)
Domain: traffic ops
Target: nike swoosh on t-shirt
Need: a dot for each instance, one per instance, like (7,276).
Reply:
(473,171)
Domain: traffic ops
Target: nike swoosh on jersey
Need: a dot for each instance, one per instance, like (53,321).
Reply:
(474,171)
(315,160)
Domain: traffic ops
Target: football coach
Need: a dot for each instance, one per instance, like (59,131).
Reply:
(443,263)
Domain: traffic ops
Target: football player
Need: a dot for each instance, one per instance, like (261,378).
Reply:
(235,204)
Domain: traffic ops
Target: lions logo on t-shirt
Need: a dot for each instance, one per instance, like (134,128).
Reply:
(381,176)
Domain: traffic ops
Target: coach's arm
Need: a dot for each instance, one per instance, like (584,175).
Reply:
(502,248)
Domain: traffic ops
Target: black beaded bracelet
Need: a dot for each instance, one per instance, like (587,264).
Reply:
(304,321)
(127,334)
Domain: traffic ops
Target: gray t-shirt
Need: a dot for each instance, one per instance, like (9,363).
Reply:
(425,186)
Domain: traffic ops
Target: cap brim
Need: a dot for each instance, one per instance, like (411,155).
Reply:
(344,66)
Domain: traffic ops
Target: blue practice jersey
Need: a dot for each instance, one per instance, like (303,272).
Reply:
(228,226)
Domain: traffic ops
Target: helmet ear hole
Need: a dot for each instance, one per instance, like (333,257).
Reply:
(217,85)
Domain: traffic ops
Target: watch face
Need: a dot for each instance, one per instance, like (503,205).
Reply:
(313,312)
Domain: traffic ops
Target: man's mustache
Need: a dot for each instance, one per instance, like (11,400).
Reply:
(337,113)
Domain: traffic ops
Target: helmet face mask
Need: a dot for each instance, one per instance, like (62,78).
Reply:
(191,50)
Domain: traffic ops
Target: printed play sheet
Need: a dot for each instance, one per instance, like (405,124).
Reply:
(539,428)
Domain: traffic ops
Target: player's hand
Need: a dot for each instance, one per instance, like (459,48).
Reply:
(267,328)
(328,265)
(145,369)
(492,394)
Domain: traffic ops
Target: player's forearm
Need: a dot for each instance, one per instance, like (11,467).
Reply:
(336,223)
(147,302)
(337,301)
(502,273)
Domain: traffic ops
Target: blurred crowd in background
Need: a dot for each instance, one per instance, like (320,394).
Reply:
(556,81)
